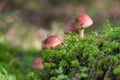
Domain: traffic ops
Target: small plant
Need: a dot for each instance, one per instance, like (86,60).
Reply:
(5,76)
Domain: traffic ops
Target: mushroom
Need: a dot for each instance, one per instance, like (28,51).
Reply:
(38,64)
(81,22)
(51,42)
(69,27)
(78,25)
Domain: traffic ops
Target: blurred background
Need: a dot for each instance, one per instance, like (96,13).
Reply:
(27,23)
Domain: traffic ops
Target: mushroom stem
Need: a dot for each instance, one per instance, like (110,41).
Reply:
(81,32)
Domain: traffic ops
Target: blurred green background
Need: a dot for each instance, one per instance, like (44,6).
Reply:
(27,23)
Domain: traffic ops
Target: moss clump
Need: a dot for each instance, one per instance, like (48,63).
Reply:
(91,58)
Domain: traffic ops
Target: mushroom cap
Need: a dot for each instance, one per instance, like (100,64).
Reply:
(38,64)
(69,27)
(83,21)
(51,41)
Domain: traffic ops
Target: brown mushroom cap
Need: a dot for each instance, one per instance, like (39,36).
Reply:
(51,41)
(69,27)
(83,21)
(38,64)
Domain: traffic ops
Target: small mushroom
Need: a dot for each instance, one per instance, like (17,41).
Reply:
(51,42)
(81,22)
(78,25)
(69,27)
(38,64)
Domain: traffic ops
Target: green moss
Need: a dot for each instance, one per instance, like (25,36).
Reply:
(91,58)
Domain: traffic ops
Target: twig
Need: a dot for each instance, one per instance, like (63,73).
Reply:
(107,73)
(93,67)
